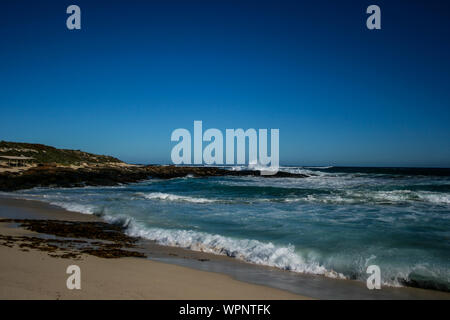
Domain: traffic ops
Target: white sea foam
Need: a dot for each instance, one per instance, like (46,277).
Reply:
(437,198)
(408,195)
(252,251)
(173,197)
(76,207)
(381,197)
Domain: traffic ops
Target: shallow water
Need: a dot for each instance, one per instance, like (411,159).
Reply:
(334,223)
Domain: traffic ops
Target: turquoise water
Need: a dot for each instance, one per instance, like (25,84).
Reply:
(334,223)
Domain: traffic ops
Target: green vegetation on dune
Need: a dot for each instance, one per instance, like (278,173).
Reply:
(46,154)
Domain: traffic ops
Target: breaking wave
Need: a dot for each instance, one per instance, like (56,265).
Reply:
(252,251)
(173,197)
(380,197)
(284,257)
(76,207)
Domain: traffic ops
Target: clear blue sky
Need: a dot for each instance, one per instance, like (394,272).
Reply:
(339,93)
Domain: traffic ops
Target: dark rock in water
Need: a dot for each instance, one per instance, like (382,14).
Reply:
(53,176)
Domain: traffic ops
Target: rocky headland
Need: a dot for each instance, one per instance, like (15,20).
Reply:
(73,168)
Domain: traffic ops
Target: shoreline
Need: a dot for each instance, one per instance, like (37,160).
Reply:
(32,274)
(277,284)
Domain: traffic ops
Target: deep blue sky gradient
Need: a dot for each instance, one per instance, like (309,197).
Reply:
(339,93)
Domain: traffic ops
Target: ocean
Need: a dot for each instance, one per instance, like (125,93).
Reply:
(334,223)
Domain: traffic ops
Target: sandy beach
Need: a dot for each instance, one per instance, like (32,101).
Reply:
(33,274)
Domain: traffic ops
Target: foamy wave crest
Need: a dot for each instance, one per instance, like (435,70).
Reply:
(252,251)
(437,198)
(304,170)
(75,207)
(408,195)
(173,197)
(381,197)
(121,220)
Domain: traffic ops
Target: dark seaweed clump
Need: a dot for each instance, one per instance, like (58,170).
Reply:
(71,239)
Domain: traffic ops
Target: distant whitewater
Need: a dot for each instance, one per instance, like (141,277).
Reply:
(334,223)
